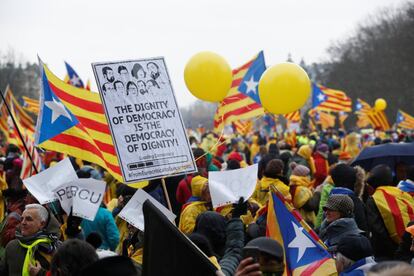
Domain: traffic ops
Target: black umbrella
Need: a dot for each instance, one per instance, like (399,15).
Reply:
(389,154)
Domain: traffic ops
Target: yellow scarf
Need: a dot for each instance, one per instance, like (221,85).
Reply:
(29,258)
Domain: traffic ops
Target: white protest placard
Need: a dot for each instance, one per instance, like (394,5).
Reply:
(227,187)
(41,185)
(294,127)
(146,125)
(84,196)
(133,214)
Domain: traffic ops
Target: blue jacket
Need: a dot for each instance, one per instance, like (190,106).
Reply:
(104,225)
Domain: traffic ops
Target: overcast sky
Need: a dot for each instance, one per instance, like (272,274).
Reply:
(86,31)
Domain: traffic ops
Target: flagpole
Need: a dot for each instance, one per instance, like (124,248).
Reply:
(18,131)
(164,188)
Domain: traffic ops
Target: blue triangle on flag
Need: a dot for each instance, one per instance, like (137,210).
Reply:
(318,96)
(300,248)
(54,117)
(250,82)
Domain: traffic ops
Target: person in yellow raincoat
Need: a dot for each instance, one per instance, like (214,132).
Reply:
(271,176)
(352,145)
(301,190)
(199,202)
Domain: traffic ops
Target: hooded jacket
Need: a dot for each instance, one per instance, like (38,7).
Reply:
(43,252)
(332,233)
(299,188)
(261,194)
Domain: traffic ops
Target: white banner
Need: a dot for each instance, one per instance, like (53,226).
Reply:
(145,122)
(41,185)
(227,187)
(84,196)
(133,214)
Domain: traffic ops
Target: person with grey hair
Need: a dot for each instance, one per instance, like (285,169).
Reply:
(37,239)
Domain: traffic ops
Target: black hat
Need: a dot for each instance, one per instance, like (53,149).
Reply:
(268,246)
(380,175)
(355,247)
(344,176)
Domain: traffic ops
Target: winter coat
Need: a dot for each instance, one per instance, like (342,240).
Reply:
(301,192)
(104,225)
(234,246)
(43,252)
(321,168)
(332,233)
(326,190)
(359,207)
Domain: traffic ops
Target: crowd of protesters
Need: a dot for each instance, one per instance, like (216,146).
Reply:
(364,217)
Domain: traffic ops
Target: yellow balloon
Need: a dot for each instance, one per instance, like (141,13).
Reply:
(380,104)
(208,76)
(284,88)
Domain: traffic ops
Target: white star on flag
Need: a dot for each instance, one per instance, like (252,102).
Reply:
(251,85)
(75,81)
(301,241)
(321,97)
(58,109)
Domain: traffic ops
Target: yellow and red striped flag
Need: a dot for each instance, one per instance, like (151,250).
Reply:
(30,105)
(293,116)
(396,209)
(27,167)
(326,99)
(23,120)
(242,127)
(21,115)
(242,101)
(322,118)
(365,112)
(362,109)
(82,130)
(405,120)
(378,119)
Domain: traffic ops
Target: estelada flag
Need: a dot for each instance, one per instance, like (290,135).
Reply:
(72,121)
(330,100)
(405,120)
(242,102)
(304,252)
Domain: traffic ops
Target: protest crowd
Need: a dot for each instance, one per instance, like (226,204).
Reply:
(315,199)
(363,217)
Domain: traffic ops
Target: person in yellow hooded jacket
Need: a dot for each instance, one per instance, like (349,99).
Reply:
(272,175)
(300,187)
(199,202)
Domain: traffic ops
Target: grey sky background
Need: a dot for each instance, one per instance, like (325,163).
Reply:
(82,32)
